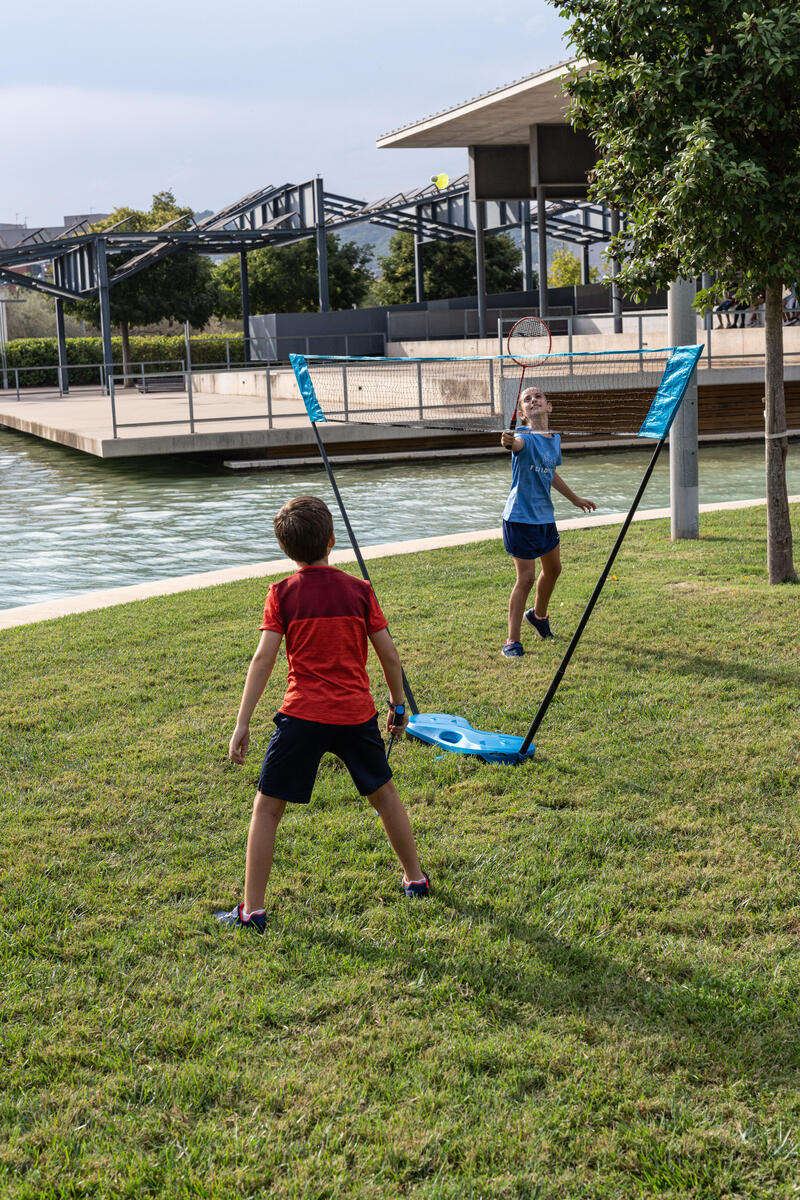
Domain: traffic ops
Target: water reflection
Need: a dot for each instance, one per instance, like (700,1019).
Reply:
(73,524)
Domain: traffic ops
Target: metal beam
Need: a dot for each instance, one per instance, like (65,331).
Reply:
(38,285)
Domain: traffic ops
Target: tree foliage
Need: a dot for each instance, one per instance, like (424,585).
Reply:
(565,269)
(177,288)
(693,106)
(448,269)
(285,278)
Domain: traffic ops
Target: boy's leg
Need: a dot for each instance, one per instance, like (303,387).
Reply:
(387,803)
(526,575)
(548,574)
(267,812)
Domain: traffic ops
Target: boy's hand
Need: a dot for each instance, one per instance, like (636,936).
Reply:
(396,722)
(584,505)
(237,750)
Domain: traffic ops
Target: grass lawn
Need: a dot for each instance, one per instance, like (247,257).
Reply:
(600,999)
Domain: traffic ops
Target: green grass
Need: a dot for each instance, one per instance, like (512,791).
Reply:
(599,1000)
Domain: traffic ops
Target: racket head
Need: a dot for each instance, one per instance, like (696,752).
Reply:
(529,341)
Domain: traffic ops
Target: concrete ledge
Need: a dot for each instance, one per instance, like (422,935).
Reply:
(49,610)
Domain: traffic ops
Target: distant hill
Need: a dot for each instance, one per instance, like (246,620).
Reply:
(377,237)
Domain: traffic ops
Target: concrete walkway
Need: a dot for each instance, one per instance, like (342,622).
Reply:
(49,610)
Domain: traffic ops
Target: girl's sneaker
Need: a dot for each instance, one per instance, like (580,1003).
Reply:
(420,888)
(256,921)
(540,624)
(513,649)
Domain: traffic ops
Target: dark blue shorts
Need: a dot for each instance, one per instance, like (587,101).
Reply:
(296,747)
(529,541)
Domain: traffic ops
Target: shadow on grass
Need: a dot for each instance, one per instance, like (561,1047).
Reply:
(676,662)
(712,1023)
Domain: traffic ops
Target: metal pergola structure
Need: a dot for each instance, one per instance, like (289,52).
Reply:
(76,263)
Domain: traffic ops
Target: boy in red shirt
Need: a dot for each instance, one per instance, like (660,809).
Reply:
(327,618)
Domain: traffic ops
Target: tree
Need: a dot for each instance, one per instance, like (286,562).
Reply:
(565,269)
(177,288)
(285,278)
(448,269)
(693,105)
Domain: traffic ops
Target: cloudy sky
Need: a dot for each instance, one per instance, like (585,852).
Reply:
(104,105)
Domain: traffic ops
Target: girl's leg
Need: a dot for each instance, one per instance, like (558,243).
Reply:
(267,812)
(387,803)
(526,574)
(548,574)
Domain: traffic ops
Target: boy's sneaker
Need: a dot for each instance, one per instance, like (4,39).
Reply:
(540,624)
(513,649)
(419,889)
(256,921)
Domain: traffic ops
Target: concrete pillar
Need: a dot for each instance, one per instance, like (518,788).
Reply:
(683,444)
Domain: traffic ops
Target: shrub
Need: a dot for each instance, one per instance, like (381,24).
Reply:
(35,357)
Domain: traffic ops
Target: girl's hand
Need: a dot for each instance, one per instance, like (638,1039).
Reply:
(584,505)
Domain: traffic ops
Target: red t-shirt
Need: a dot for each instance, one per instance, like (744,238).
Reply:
(326,617)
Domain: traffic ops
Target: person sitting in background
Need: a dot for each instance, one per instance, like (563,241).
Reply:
(724,307)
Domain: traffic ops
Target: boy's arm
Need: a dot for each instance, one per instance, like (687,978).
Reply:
(578,501)
(393,674)
(258,673)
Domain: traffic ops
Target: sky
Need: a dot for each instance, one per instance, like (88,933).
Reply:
(105,105)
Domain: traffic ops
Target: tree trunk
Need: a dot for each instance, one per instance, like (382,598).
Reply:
(125,334)
(779,528)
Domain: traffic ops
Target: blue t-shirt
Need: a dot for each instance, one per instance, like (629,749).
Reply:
(532,471)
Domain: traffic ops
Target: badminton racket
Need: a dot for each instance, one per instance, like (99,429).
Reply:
(528,343)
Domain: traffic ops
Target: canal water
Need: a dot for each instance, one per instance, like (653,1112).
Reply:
(71,523)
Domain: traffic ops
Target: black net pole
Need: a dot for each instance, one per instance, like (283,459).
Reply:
(587,612)
(356,549)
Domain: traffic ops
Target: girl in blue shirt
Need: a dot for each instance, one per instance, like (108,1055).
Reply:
(529,528)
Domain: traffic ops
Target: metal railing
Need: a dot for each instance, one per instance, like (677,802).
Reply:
(192,419)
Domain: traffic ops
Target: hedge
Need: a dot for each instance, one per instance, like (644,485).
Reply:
(159,354)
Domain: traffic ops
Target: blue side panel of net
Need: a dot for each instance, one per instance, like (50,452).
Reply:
(300,368)
(671,391)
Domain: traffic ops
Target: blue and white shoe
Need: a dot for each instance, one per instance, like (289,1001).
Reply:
(419,887)
(540,624)
(513,650)
(256,921)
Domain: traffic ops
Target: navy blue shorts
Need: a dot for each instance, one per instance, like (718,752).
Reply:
(296,747)
(522,540)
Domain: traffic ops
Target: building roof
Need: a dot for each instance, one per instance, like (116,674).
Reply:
(500,117)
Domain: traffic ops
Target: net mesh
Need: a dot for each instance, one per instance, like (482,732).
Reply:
(593,395)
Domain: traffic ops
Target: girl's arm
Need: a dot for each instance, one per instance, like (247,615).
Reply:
(258,673)
(511,441)
(566,490)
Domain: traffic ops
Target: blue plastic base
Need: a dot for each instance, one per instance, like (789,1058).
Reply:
(457,735)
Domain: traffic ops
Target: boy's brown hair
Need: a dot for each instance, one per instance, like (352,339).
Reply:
(304,527)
